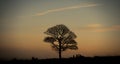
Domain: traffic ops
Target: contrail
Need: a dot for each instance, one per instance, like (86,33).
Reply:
(66,8)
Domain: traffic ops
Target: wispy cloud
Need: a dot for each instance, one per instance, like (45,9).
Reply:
(66,8)
(100,28)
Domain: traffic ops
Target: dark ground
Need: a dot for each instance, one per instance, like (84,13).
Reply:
(78,59)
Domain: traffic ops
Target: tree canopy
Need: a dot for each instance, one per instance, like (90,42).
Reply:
(61,38)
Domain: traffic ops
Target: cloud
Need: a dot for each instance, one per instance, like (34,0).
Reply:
(94,25)
(100,28)
(67,8)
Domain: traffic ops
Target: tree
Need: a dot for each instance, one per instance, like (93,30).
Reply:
(61,38)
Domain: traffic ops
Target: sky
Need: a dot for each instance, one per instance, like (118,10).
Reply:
(23,23)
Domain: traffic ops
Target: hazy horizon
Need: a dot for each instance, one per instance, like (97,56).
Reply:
(23,23)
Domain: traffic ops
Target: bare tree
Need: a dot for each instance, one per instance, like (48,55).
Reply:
(61,38)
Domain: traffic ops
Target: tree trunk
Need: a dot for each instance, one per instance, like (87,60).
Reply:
(60,50)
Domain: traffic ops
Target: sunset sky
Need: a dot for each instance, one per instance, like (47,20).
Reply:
(23,23)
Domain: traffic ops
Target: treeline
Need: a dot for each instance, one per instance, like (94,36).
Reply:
(76,59)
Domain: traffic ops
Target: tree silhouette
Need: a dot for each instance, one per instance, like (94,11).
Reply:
(61,38)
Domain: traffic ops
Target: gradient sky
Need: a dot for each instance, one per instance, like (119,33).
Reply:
(22,23)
